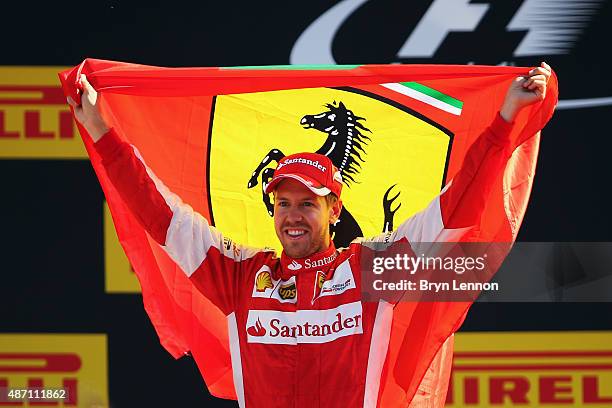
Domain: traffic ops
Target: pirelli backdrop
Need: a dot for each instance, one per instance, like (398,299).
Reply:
(71,317)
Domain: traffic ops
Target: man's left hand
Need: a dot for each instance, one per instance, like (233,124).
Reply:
(526,90)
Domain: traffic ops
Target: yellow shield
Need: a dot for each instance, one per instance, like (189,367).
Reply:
(404,149)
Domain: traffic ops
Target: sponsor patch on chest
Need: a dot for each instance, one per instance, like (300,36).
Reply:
(304,326)
(341,281)
(285,291)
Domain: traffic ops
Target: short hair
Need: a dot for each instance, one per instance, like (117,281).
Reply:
(331,199)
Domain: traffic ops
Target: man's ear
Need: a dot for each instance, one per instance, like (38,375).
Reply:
(335,211)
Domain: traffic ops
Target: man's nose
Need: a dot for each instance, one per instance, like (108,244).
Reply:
(294,214)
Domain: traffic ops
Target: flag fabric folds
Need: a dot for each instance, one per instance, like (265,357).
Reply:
(210,134)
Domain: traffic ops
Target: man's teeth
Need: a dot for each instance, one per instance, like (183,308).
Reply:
(296,233)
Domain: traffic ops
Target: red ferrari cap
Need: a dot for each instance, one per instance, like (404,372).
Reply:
(315,171)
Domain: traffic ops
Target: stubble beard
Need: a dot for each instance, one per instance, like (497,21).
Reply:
(302,250)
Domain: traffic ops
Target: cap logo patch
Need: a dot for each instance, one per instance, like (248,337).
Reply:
(313,163)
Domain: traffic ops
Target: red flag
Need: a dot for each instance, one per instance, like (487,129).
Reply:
(205,132)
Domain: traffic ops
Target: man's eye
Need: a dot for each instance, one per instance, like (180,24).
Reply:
(283,204)
(307,204)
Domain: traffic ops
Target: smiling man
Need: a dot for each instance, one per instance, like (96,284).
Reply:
(300,333)
(302,215)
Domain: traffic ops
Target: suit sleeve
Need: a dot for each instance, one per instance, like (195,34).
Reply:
(211,261)
(458,208)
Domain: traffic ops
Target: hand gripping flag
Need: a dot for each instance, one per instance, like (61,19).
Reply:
(212,135)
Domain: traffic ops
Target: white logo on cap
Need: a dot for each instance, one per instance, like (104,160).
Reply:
(313,163)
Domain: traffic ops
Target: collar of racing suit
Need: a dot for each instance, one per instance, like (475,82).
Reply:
(292,266)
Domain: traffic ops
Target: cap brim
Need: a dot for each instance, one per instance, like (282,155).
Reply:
(306,181)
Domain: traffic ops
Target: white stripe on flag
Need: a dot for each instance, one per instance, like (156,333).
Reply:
(419,96)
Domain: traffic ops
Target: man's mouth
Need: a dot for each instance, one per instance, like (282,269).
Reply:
(295,233)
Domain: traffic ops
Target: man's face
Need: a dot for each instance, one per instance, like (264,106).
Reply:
(302,218)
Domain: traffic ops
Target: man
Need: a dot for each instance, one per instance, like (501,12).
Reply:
(300,334)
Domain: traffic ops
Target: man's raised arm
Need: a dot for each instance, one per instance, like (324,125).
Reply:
(206,257)
(460,204)
(148,199)
(464,200)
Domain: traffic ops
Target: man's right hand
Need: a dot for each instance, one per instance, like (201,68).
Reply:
(88,112)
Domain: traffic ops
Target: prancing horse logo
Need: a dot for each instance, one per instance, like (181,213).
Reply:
(345,145)
(396,146)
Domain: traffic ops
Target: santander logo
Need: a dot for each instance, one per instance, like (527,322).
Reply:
(320,262)
(294,266)
(304,326)
(257,330)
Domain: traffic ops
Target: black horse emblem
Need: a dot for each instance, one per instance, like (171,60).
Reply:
(345,145)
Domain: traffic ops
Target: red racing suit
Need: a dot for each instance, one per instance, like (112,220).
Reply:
(300,335)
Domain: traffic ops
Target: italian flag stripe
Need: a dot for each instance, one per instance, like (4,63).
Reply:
(427,95)
(297,67)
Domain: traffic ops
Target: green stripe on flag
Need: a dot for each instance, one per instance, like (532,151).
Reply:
(297,67)
(427,95)
(434,94)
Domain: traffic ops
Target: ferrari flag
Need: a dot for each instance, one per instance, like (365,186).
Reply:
(213,136)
